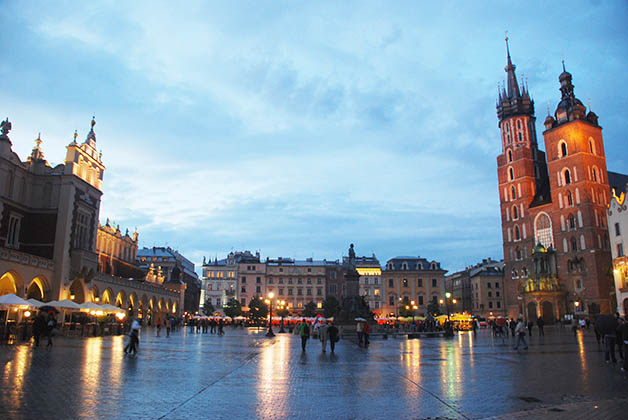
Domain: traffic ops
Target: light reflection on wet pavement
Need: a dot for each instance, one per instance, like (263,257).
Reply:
(245,375)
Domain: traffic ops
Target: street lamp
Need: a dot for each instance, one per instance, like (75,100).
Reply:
(282,307)
(270,332)
(448,296)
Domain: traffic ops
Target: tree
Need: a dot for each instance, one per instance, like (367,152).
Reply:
(405,312)
(258,310)
(433,308)
(282,312)
(309,310)
(208,308)
(330,307)
(233,308)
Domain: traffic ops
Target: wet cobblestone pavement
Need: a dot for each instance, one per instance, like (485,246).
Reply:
(244,375)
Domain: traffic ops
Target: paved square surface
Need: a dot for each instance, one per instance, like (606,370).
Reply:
(244,375)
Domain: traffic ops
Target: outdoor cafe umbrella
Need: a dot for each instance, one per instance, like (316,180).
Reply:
(360,319)
(65,304)
(13,300)
(48,308)
(34,302)
(606,324)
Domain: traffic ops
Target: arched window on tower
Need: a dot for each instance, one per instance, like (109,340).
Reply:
(510,156)
(520,137)
(569,199)
(519,124)
(543,230)
(517,233)
(515,213)
(566,177)
(574,244)
(518,253)
(562,149)
(511,174)
(571,222)
(594,172)
(591,145)
(513,193)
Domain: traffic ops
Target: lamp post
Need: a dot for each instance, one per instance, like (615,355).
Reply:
(447,297)
(282,307)
(270,332)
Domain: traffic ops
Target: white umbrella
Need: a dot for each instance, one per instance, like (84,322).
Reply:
(34,302)
(360,319)
(13,300)
(91,305)
(65,304)
(110,308)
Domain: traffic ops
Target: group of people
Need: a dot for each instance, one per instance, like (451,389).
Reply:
(614,332)
(324,332)
(204,326)
(44,326)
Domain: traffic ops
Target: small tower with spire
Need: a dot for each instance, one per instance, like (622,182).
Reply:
(84,160)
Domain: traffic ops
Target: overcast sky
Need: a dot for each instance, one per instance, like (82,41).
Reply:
(296,128)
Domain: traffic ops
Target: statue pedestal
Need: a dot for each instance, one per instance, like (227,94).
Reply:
(353,305)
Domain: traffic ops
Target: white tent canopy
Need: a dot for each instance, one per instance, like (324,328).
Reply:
(34,302)
(64,304)
(13,300)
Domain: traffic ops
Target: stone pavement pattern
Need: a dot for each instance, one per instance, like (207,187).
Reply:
(244,375)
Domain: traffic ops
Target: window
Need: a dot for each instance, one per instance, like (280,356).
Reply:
(320,281)
(434,283)
(391,300)
(271,280)
(332,289)
(620,250)
(366,280)
(299,292)
(258,289)
(520,137)
(299,280)
(488,285)
(511,174)
(82,231)
(309,292)
(574,244)
(13,237)
(510,156)
(617,229)
(496,294)
(490,294)
(391,283)
(515,213)
(243,302)
(569,199)
(258,280)
(567,177)
(591,146)
(281,291)
(319,291)
(289,280)
(563,149)
(490,305)
(420,283)
(289,292)
(243,289)
(309,280)
(420,300)
(543,230)
(517,233)
(594,174)
(309,270)
(405,282)
(280,281)
(497,283)
(499,304)
(513,193)
(572,221)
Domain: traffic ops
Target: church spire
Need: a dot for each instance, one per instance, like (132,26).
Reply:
(91,136)
(510,100)
(513,86)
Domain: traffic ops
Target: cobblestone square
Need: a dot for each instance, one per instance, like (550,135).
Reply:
(245,375)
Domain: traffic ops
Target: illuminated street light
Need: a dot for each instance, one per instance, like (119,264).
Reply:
(269,301)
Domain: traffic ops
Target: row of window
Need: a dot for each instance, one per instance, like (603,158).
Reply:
(280,291)
(406,283)
(562,148)
(405,266)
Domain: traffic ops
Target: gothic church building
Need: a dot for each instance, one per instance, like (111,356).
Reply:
(553,206)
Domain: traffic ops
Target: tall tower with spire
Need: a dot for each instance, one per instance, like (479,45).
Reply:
(580,191)
(522,175)
(84,161)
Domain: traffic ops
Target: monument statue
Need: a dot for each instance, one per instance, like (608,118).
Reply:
(351,263)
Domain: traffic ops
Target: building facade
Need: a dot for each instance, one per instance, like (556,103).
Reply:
(479,289)
(556,249)
(51,246)
(298,282)
(408,279)
(617,214)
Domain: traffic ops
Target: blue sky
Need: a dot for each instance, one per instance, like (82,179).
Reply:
(295,128)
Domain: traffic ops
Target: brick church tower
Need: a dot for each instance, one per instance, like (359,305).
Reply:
(556,254)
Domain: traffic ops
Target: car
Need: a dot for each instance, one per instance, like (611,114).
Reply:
(482,322)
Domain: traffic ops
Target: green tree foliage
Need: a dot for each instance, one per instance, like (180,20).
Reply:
(405,312)
(330,307)
(258,310)
(309,309)
(282,312)
(433,308)
(208,308)
(233,308)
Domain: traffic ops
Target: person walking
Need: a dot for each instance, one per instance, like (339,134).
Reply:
(513,326)
(167,324)
(333,333)
(323,335)
(134,338)
(39,328)
(520,331)
(221,330)
(474,326)
(530,327)
(359,328)
(366,331)
(540,323)
(304,332)
(623,329)
(158,327)
(51,326)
